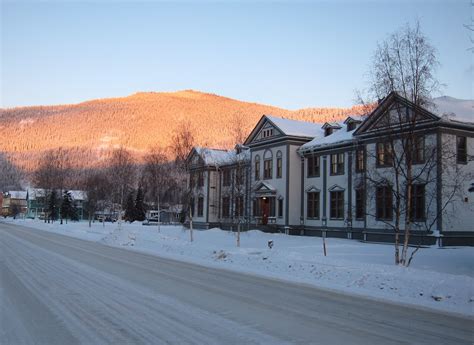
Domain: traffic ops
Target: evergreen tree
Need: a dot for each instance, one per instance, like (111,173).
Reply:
(130,208)
(53,206)
(139,205)
(68,209)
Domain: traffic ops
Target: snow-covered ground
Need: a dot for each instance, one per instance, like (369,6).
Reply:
(440,278)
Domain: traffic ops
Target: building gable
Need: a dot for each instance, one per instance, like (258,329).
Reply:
(394,112)
(264,130)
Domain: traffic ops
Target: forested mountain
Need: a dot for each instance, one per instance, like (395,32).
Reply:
(90,129)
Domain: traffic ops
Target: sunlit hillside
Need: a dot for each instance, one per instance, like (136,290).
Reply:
(137,122)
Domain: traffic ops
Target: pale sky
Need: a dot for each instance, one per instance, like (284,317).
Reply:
(288,54)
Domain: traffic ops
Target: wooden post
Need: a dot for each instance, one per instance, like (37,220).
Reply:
(238,234)
(191,225)
(324,242)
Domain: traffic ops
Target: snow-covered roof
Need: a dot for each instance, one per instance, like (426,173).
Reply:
(461,110)
(17,194)
(78,194)
(357,118)
(331,124)
(295,127)
(34,193)
(218,157)
(340,136)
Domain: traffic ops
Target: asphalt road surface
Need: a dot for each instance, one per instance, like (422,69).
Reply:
(56,289)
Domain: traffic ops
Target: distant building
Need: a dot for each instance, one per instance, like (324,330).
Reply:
(333,178)
(37,202)
(14,204)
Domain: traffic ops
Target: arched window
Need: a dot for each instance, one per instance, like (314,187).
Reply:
(257,167)
(279,167)
(268,164)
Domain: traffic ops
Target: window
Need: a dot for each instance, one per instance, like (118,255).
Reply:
(313,166)
(225,207)
(200,206)
(351,126)
(200,179)
(384,203)
(360,160)
(337,164)
(418,154)
(328,131)
(280,208)
(360,203)
(312,209)
(239,206)
(461,152)
(272,207)
(191,207)
(191,180)
(384,154)
(267,133)
(279,167)
(267,168)
(255,210)
(226,177)
(417,211)
(337,205)
(239,175)
(257,168)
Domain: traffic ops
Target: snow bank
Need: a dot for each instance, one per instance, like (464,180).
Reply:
(439,278)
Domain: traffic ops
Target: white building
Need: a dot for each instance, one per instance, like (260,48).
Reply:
(344,179)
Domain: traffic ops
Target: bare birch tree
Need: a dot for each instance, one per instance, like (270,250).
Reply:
(405,63)
(122,173)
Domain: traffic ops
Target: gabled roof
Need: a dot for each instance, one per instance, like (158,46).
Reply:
(331,125)
(286,127)
(219,157)
(18,194)
(354,118)
(262,187)
(384,106)
(339,137)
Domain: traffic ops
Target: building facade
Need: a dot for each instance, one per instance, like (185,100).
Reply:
(350,179)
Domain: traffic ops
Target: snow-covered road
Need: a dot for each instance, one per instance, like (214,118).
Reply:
(61,290)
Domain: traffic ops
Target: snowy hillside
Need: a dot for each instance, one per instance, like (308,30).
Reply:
(456,109)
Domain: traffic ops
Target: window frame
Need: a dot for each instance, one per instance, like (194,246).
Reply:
(225,207)
(418,154)
(279,167)
(360,204)
(268,171)
(461,152)
(313,205)
(387,159)
(384,203)
(226,177)
(200,208)
(257,168)
(337,166)
(280,208)
(360,160)
(313,169)
(336,204)
(418,203)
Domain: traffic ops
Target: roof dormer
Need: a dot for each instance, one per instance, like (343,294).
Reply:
(352,122)
(330,127)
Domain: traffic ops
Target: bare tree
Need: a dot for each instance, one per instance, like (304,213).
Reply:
(405,65)
(182,142)
(240,170)
(121,172)
(238,128)
(10,175)
(97,187)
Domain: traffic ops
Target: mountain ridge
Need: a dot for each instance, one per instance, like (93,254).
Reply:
(137,122)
